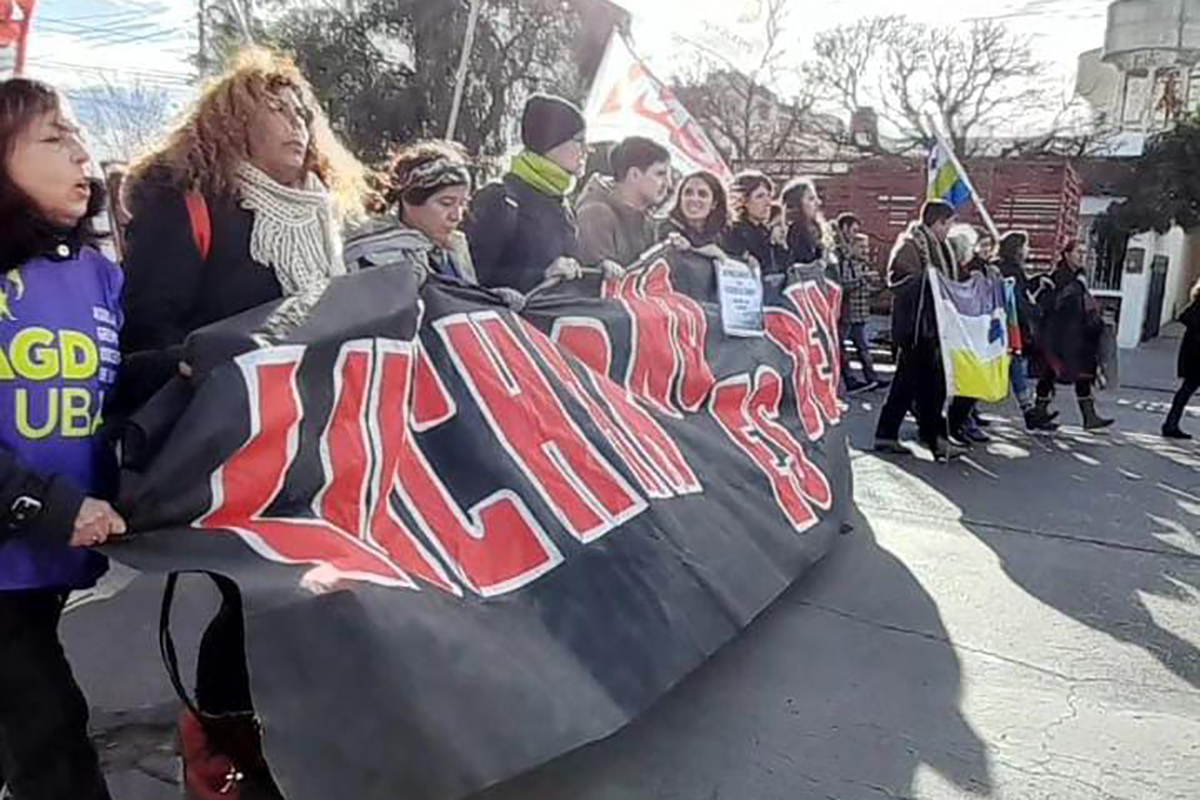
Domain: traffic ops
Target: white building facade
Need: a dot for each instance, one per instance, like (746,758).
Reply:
(1145,78)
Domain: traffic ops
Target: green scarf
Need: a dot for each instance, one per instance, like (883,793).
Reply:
(542,174)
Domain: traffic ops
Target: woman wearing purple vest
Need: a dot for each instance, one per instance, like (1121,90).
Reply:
(60,316)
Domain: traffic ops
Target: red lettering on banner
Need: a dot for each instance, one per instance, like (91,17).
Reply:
(391,400)
(815,372)
(651,455)
(586,338)
(432,404)
(750,417)
(345,446)
(824,303)
(497,546)
(250,481)
(668,367)
(586,493)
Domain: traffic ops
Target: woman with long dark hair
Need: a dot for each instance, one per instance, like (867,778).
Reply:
(1012,255)
(805,222)
(750,235)
(1068,337)
(60,319)
(1189,367)
(701,211)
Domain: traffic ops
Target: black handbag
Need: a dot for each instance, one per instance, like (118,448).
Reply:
(232,740)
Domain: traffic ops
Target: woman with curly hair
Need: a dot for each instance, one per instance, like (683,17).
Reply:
(701,211)
(243,204)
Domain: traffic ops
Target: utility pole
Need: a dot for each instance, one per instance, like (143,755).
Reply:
(464,63)
(202,37)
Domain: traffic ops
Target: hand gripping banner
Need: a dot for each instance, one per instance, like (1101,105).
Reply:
(469,541)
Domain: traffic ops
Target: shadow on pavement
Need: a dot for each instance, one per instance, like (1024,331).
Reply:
(1130,500)
(816,699)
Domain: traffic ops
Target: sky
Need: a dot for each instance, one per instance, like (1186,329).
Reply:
(147,43)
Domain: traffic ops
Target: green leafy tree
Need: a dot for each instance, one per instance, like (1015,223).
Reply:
(1163,188)
(385,70)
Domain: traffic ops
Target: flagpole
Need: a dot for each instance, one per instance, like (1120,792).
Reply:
(464,62)
(966,179)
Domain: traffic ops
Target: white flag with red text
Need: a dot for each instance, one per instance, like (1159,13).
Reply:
(627,100)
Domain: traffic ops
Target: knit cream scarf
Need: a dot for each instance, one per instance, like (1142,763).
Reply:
(295,231)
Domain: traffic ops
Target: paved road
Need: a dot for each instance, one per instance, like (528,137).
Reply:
(1021,624)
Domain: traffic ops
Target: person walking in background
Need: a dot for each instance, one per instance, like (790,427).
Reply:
(851,253)
(920,382)
(701,211)
(615,220)
(243,204)
(1012,256)
(982,256)
(521,229)
(962,415)
(805,222)
(1189,368)
(751,235)
(1068,337)
(58,291)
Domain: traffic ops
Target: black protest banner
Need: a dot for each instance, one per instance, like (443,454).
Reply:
(469,540)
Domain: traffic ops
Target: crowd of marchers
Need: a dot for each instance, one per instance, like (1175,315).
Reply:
(251,198)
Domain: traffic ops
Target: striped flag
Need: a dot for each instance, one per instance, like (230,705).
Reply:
(973,328)
(946,182)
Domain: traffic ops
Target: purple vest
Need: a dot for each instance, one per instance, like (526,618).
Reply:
(59,355)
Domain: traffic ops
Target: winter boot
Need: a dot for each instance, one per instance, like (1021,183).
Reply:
(1039,417)
(1091,420)
(1170,428)
(1175,432)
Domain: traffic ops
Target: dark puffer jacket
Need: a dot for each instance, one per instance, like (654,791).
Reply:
(745,238)
(1069,331)
(516,232)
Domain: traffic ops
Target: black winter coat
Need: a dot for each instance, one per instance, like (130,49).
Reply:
(1189,349)
(695,238)
(171,290)
(745,238)
(516,232)
(1069,329)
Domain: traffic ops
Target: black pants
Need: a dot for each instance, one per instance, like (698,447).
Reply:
(960,411)
(1190,387)
(1083,388)
(45,753)
(919,384)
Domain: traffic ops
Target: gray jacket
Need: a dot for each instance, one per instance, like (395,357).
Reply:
(385,241)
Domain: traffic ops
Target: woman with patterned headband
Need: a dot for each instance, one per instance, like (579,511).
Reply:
(420,205)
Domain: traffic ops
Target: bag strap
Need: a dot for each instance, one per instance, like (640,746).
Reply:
(201,222)
(166,642)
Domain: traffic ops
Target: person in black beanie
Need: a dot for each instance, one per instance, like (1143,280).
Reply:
(521,229)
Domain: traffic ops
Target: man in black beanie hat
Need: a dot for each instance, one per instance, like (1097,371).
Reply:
(521,228)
